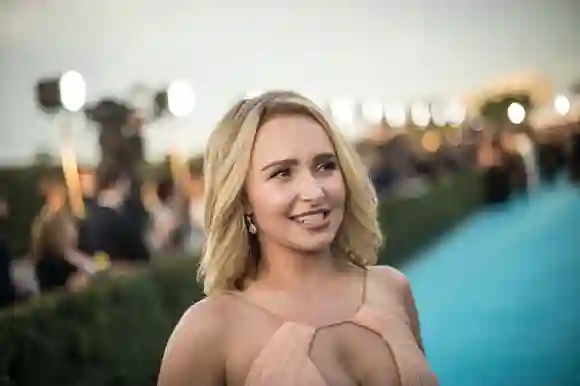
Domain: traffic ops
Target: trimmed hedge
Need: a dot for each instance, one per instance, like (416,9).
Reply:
(410,224)
(114,333)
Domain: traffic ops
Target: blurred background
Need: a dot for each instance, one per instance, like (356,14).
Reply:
(467,115)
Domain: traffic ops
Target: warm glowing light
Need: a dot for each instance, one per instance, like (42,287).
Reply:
(180,98)
(455,113)
(420,114)
(395,115)
(516,113)
(562,105)
(73,91)
(431,141)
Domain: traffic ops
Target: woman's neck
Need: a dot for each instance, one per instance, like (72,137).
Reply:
(285,269)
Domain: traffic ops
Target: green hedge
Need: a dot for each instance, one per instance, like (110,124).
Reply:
(110,334)
(412,223)
(114,333)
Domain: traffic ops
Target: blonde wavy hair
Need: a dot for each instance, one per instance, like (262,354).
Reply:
(230,256)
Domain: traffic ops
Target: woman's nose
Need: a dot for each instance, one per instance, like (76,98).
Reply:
(310,189)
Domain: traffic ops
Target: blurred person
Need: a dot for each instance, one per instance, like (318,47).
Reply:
(105,227)
(55,196)
(514,163)
(196,205)
(88,186)
(496,177)
(292,237)
(10,292)
(164,223)
(526,147)
(57,262)
(196,213)
(88,182)
(549,155)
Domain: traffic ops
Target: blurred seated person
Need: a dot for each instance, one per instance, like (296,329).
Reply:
(57,262)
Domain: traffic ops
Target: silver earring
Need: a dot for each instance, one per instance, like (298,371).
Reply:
(251,226)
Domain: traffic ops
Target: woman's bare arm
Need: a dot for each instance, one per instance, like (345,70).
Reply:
(194,355)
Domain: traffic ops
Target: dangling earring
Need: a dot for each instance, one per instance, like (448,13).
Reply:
(251,226)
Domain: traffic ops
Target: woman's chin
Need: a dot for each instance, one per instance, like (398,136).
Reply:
(312,245)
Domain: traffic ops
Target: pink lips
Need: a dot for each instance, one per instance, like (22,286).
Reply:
(313,220)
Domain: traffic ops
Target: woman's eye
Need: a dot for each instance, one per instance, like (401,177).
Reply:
(282,173)
(327,166)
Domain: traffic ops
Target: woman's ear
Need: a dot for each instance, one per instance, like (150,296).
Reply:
(247,206)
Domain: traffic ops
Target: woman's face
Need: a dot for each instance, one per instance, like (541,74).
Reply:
(88,183)
(56,198)
(295,188)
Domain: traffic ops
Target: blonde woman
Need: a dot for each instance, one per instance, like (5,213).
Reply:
(292,237)
(57,262)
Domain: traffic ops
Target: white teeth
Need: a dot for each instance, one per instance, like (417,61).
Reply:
(311,218)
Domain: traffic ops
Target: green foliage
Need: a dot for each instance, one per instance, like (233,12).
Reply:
(110,334)
(412,223)
(114,333)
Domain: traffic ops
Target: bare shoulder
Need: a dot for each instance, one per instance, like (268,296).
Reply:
(194,354)
(391,278)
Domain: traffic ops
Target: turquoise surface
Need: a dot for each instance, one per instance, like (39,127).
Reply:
(499,297)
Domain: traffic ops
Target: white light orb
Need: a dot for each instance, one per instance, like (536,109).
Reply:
(420,114)
(455,113)
(73,91)
(372,111)
(562,105)
(343,111)
(438,114)
(516,113)
(395,115)
(180,98)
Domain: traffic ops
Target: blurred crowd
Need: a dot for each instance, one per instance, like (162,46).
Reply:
(122,224)
(125,223)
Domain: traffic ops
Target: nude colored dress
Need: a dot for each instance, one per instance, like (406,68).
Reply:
(285,360)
